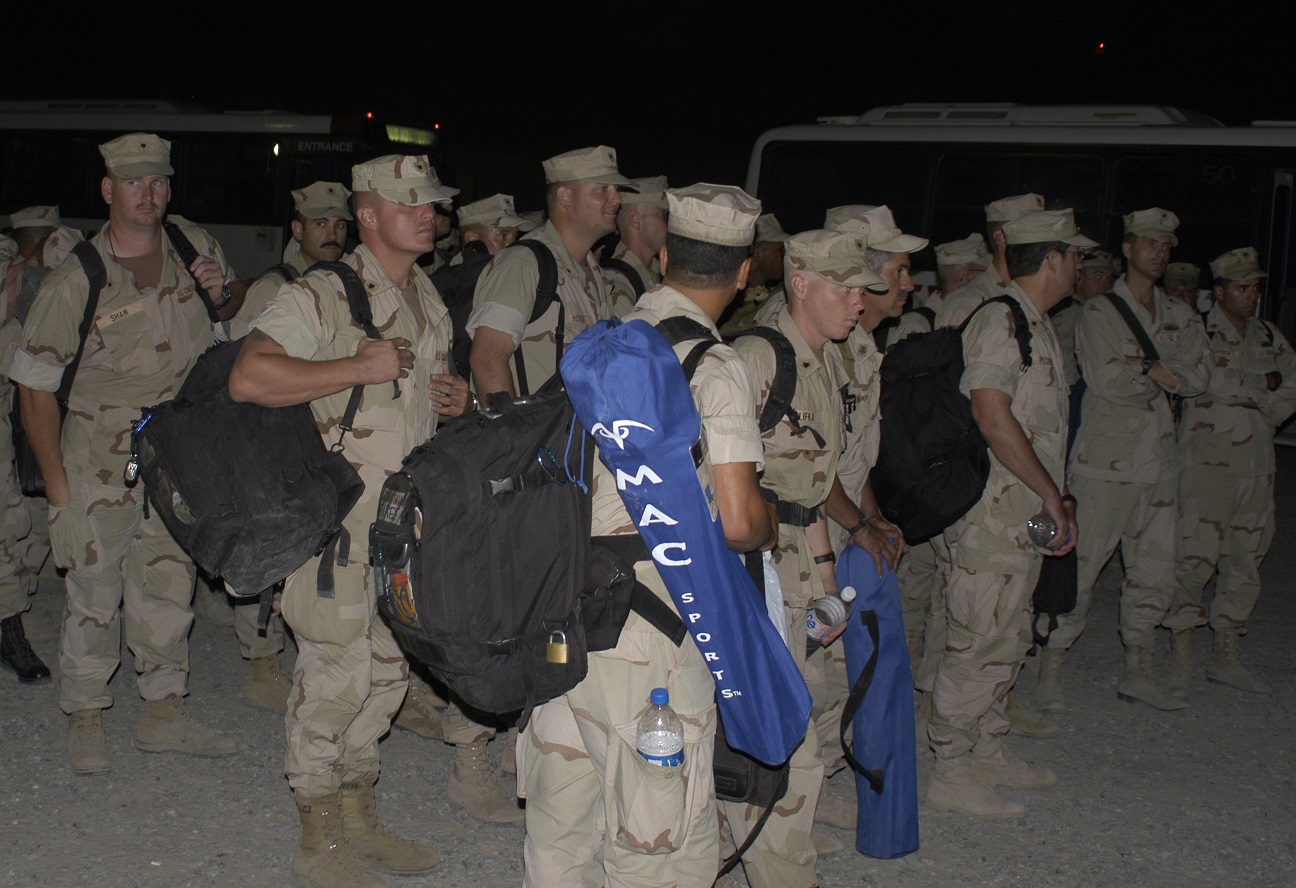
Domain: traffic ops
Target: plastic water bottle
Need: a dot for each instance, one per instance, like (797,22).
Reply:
(1041,529)
(828,613)
(661,733)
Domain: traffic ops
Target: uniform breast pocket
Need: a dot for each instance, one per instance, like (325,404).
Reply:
(129,336)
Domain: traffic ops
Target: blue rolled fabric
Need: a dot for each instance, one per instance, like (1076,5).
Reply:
(883,723)
(628,390)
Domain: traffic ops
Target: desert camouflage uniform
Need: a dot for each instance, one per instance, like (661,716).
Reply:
(590,797)
(1065,316)
(755,307)
(800,472)
(1226,500)
(995,563)
(960,303)
(505,296)
(1124,469)
(906,325)
(264,288)
(16,583)
(621,291)
(350,677)
(139,350)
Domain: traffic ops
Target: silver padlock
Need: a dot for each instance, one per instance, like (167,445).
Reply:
(556,649)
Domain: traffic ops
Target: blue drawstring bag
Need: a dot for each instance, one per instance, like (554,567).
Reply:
(628,390)
(879,710)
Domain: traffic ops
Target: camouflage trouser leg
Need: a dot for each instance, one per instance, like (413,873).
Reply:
(922,578)
(15,532)
(1143,520)
(989,625)
(459,729)
(599,815)
(348,681)
(34,548)
(825,675)
(1226,523)
(119,560)
(783,855)
(252,644)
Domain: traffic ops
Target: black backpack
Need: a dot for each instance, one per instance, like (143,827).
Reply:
(626,270)
(456,284)
(250,492)
(932,463)
(486,570)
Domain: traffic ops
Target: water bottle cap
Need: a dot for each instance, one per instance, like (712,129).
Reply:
(847,593)
(660,696)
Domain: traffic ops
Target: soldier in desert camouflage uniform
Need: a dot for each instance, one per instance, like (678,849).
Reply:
(1182,281)
(583,197)
(765,284)
(1226,492)
(150,327)
(642,224)
(1022,413)
(594,816)
(1124,469)
(350,676)
(823,274)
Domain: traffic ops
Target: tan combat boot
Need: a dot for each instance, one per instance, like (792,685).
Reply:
(834,810)
(994,765)
(472,785)
(167,726)
(1048,691)
(322,858)
(371,841)
(269,687)
(954,790)
(87,749)
(1027,723)
(1139,685)
(420,712)
(1225,669)
(1180,672)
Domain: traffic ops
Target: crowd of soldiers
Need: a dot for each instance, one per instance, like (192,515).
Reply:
(1088,432)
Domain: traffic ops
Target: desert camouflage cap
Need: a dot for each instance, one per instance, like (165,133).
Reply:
(1101,260)
(496,211)
(406,179)
(535,217)
(442,187)
(1237,265)
(650,190)
(717,214)
(971,249)
(849,217)
(1044,226)
(768,230)
(137,154)
(319,200)
(597,164)
(1181,274)
(35,217)
(885,235)
(837,256)
(1006,209)
(1153,222)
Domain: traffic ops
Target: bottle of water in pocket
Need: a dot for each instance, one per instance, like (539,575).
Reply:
(828,614)
(661,733)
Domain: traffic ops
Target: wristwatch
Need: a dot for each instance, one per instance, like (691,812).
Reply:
(1147,366)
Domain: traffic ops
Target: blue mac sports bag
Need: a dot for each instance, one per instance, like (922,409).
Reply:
(628,390)
(879,710)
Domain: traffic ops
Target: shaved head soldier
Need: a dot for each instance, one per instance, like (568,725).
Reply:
(633,267)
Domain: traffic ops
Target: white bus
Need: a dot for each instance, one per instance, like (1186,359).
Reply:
(937,166)
(234,170)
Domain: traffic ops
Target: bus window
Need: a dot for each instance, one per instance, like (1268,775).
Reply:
(800,180)
(223,179)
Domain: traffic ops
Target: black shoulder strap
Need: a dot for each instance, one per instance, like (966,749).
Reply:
(1021,325)
(546,293)
(97,275)
(1127,315)
(927,312)
(187,255)
(362,314)
(882,332)
(779,403)
(283,269)
(1205,315)
(627,270)
(681,329)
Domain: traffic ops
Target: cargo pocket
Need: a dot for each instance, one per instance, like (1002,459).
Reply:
(653,813)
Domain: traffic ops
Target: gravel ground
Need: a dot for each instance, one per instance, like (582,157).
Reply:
(1202,797)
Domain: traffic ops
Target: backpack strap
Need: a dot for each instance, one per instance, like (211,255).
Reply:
(97,275)
(874,776)
(779,403)
(928,312)
(546,293)
(1021,325)
(1127,315)
(185,249)
(626,270)
(283,269)
(882,332)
